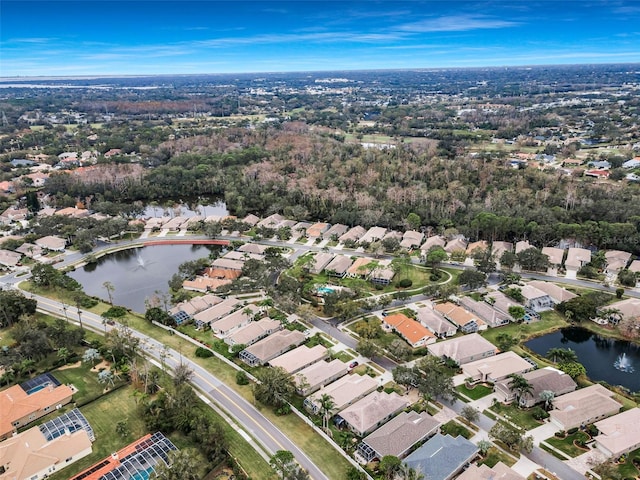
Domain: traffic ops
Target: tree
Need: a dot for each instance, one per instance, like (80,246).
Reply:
(469,413)
(472,278)
(399,349)
(517,312)
(547,397)
(63,354)
(157,314)
(182,465)
(520,386)
(391,244)
(110,289)
(484,446)
(573,369)
(275,387)
(434,379)
(504,341)
(511,437)
(366,348)
(105,377)
(182,374)
(14,306)
(389,466)
(283,462)
(326,408)
(122,428)
(627,278)
(533,259)
(414,221)
(91,355)
(508,260)
(435,256)
(484,260)
(561,355)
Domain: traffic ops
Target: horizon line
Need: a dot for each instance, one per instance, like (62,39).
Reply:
(405,69)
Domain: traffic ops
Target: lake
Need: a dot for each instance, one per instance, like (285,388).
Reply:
(138,273)
(600,355)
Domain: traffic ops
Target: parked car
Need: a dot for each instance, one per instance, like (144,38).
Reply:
(353,365)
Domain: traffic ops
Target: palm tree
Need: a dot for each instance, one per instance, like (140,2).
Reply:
(110,288)
(561,355)
(547,396)
(520,386)
(326,406)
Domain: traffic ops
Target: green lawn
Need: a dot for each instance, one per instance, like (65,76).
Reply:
(495,455)
(476,392)
(566,444)
(454,429)
(83,379)
(549,322)
(521,417)
(628,469)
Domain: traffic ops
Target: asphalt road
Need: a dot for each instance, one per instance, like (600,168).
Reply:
(252,421)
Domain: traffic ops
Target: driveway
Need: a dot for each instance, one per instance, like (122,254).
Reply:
(543,432)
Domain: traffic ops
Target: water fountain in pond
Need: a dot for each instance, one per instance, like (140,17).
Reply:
(623,364)
(141,264)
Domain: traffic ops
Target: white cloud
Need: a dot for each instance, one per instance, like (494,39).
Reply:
(456,23)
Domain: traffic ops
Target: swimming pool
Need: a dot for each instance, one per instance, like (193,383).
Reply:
(143,474)
(37,388)
(325,290)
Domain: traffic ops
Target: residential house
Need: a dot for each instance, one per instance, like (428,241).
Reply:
(499,301)
(253,248)
(434,241)
(216,312)
(361,267)
(184,311)
(635,266)
(576,259)
(255,331)
(616,261)
(414,333)
(582,407)
(251,220)
(461,318)
(498,248)
(204,284)
(74,212)
(496,368)
(456,245)
(312,378)
(9,259)
(227,264)
(335,231)
(270,347)
(272,221)
(353,235)
(557,293)
(25,403)
(38,452)
(300,229)
(301,357)
(320,262)
(234,321)
(556,255)
(344,392)
(13,214)
(523,245)
(135,461)
(316,230)
(51,242)
(38,179)
(486,313)
(411,239)
(536,299)
(442,457)
(382,275)
(625,309)
(242,256)
(374,234)
(619,434)
(392,234)
(633,163)
(370,412)
(499,471)
(480,245)
(463,349)
(435,323)
(30,250)
(397,436)
(338,266)
(544,379)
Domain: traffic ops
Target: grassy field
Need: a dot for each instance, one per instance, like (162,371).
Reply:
(495,455)
(454,429)
(566,444)
(83,379)
(518,416)
(475,393)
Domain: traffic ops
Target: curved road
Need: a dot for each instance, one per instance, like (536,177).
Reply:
(256,425)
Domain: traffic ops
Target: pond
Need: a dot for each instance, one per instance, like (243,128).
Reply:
(137,274)
(185,210)
(616,362)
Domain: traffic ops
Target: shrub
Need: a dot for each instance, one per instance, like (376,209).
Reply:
(115,312)
(573,430)
(203,352)
(539,413)
(592,430)
(241,378)
(405,283)
(560,434)
(86,301)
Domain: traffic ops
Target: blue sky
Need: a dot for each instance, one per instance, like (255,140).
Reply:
(107,37)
